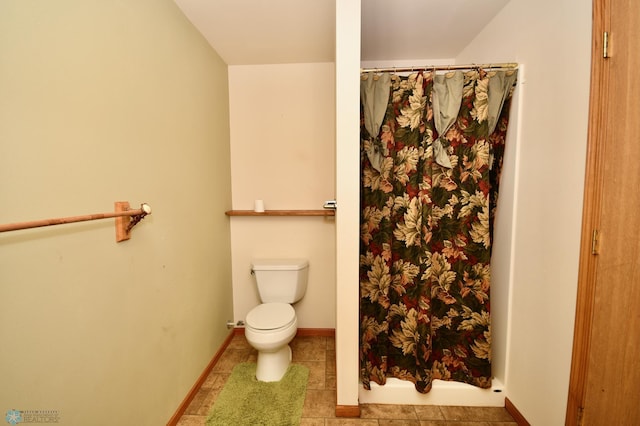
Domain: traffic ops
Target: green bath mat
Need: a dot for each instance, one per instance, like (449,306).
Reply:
(246,401)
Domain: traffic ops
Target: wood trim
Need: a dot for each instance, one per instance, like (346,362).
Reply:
(347,411)
(591,216)
(198,384)
(317,332)
(515,413)
(281,213)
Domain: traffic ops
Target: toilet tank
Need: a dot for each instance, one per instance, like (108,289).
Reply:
(281,280)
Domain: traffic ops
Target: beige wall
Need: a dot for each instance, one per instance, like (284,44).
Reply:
(551,39)
(106,101)
(348,197)
(282,120)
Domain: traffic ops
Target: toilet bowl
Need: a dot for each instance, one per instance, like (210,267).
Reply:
(269,328)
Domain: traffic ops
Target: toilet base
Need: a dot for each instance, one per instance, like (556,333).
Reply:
(272,366)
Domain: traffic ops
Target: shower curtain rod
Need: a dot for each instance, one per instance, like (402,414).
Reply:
(507,65)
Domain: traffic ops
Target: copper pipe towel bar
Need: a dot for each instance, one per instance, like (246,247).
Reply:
(125,220)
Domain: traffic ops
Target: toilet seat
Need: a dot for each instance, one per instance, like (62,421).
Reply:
(270,316)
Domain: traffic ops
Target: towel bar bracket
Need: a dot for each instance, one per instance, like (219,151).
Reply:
(124,224)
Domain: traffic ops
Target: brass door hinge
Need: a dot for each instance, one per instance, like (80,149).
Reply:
(594,242)
(580,418)
(605,45)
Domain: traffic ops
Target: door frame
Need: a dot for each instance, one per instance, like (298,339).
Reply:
(599,89)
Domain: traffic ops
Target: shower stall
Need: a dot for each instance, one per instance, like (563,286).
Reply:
(397,391)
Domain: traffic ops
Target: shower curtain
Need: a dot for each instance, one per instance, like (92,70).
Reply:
(431,155)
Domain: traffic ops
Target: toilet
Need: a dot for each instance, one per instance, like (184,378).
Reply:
(270,326)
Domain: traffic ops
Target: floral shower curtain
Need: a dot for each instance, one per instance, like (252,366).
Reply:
(431,151)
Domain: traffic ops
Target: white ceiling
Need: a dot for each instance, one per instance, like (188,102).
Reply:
(422,29)
(245,32)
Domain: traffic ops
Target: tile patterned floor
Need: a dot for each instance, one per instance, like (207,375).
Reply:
(318,354)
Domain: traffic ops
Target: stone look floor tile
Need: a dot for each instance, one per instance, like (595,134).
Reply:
(476,414)
(192,421)
(317,374)
(309,421)
(239,342)
(401,422)
(309,349)
(331,382)
(384,411)
(350,422)
(211,380)
(453,423)
(319,403)
(318,354)
(196,402)
(331,361)
(428,412)
(229,359)
(331,343)
(207,403)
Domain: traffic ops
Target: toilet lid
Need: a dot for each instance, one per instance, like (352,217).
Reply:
(269,316)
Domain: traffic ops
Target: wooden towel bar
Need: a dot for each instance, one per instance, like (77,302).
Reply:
(125,220)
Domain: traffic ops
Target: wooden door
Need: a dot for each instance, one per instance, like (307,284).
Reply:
(605,373)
